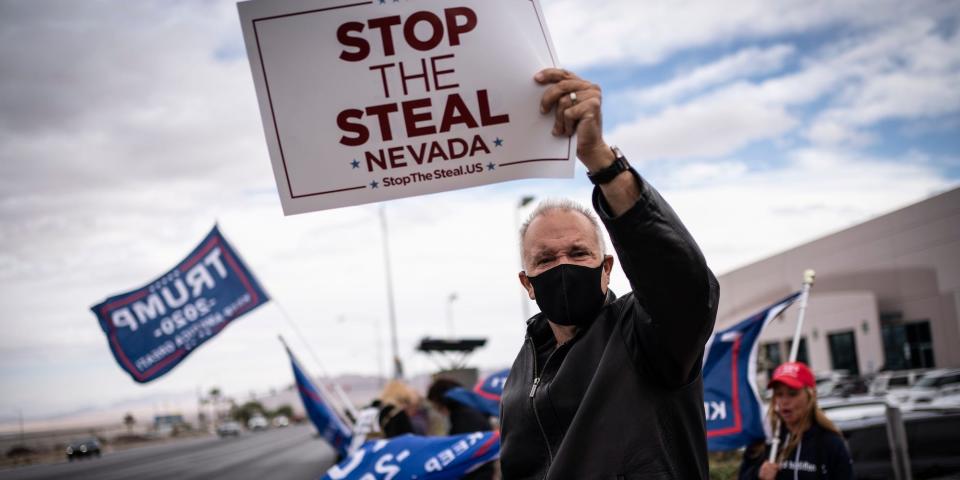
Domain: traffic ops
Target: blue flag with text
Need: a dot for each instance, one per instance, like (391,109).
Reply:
(329,425)
(485,395)
(153,328)
(415,457)
(730,396)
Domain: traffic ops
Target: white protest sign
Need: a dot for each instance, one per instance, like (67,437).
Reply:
(365,101)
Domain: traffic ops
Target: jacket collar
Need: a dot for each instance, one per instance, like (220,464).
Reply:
(538,328)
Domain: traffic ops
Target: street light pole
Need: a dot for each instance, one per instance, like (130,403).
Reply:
(20,411)
(397,364)
(524,300)
(450,299)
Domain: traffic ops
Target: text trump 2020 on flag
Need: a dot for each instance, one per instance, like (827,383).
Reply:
(153,328)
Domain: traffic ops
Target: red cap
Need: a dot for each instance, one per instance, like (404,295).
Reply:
(794,375)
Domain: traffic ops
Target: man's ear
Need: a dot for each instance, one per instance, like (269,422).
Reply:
(525,281)
(608,264)
(605,276)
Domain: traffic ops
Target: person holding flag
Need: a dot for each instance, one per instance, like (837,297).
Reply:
(813,446)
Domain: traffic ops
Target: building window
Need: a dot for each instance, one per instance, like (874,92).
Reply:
(907,345)
(770,357)
(843,352)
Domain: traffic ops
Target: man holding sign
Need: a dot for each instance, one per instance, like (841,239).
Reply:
(607,387)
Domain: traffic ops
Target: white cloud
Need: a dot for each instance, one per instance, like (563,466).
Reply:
(829,132)
(863,80)
(714,126)
(908,72)
(123,95)
(742,64)
(625,31)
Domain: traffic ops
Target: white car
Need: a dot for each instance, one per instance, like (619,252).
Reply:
(937,383)
(257,423)
(228,429)
(281,421)
(894,381)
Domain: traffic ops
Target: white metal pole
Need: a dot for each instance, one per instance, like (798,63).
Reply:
(20,414)
(397,363)
(808,278)
(450,330)
(378,333)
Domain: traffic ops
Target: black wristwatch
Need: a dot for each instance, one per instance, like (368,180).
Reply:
(605,175)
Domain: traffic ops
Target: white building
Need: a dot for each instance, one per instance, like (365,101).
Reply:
(887,293)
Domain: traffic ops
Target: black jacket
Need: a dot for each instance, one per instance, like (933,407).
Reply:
(820,455)
(624,398)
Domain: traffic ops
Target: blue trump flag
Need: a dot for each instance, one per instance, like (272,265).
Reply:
(412,457)
(730,397)
(330,426)
(485,396)
(153,328)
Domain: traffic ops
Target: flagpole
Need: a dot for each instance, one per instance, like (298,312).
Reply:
(327,396)
(808,277)
(344,404)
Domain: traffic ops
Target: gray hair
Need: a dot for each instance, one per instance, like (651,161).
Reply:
(564,205)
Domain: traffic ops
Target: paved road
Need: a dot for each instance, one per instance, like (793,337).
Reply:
(291,453)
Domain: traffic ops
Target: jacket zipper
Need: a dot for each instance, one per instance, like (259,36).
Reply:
(533,393)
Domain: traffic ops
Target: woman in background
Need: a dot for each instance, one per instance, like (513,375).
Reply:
(811,446)
(400,407)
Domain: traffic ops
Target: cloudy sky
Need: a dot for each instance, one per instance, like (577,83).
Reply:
(128,128)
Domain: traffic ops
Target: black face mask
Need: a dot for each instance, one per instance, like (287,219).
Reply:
(569,294)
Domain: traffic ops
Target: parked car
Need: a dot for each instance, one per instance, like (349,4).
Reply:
(88,447)
(894,381)
(934,384)
(281,421)
(933,442)
(840,409)
(228,429)
(257,423)
(839,383)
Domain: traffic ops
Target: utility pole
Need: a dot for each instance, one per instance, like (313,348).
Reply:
(397,363)
(22,441)
(450,300)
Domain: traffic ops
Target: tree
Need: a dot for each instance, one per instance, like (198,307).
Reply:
(129,421)
(244,412)
(285,410)
(215,396)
